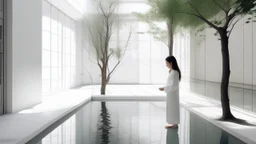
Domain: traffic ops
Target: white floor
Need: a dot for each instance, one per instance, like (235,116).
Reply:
(22,126)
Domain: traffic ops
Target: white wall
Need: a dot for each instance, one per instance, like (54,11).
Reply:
(198,55)
(65,21)
(76,11)
(67,8)
(79,51)
(213,63)
(193,42)
(242,47)
(23,54)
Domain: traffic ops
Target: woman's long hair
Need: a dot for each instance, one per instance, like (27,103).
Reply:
(173,61)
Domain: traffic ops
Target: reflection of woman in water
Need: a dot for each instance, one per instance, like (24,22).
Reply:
(172,90)
(172,136)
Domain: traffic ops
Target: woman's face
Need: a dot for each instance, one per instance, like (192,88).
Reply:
(169,65)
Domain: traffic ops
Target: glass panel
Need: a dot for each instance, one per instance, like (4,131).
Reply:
(67,76)
(58,44)
(54,73)
(54,18)
(73,60)
(46,86)
(54,59)
(144,62)
(46,40)
(54,42)
(129,8)
(46,73)
(159,72)
(46,58)
(68,60)
(46,23)
(67,46)
(142,32)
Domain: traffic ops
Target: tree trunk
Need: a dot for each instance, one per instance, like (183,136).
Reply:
(103,80)
(226,113)
(103,89)
(170,34)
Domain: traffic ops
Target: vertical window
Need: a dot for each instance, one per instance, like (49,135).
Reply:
(58,50)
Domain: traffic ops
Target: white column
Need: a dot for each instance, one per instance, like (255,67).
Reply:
(24,37)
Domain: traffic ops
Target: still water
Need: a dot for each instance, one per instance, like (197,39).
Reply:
(133,123)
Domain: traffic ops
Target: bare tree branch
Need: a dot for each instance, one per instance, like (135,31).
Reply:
(110,55)
(109,74)
(98,62)
(112,7)
(127,43)
(229,18)
(199,15)
(230,22)
(197,11)
(102,11)
(202,18)
(228,3)
(101,48)
(233,25)
(90,56)
(89,75)
(93,40)
(226,11)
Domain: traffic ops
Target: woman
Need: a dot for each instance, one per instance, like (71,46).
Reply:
(172,90)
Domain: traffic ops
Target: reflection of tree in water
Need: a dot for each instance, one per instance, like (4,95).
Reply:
(104,125)
(229,139)
(172,136)
(224,137)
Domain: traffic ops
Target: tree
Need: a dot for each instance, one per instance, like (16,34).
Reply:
(100,26)
(155,14)
(222,15)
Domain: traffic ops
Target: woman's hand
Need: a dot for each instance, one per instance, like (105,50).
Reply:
(161,89)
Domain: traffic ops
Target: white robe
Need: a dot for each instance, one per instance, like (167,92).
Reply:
(172,99)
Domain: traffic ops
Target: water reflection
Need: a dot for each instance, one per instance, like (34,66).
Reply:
(241,95)
(224,138)
(172,136)
(135,123)
(204,132)
(104,125)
